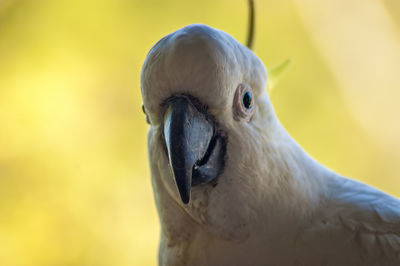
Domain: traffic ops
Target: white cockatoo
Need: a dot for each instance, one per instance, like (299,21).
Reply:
(231,186)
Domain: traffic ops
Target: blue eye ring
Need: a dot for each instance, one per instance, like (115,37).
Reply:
(247,100)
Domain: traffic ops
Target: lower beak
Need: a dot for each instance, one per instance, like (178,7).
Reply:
(195,151)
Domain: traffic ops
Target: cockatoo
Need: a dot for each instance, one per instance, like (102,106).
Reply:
(231,186)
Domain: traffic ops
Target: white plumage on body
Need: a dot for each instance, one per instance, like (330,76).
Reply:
(260,200)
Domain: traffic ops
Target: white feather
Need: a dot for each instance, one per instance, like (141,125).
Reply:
(273,205)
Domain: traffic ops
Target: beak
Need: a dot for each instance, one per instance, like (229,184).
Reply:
(195,150)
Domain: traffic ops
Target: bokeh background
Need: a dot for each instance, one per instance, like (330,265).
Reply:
(75,185)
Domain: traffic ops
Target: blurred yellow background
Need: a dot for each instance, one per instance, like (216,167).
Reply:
(75,185)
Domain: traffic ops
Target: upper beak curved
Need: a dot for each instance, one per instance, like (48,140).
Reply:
(191,141)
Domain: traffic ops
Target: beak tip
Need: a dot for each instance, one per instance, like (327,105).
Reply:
(184,192)
(185,199)
(183,184)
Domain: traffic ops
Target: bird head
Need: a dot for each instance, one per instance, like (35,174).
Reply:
(211,125)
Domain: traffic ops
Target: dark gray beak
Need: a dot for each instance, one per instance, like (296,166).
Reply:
(195,148)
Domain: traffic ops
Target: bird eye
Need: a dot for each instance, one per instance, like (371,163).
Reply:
(243,106)
(247,100)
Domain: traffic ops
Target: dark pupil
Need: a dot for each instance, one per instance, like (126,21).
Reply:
(247,100)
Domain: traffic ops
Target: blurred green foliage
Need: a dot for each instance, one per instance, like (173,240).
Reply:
(75,186)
